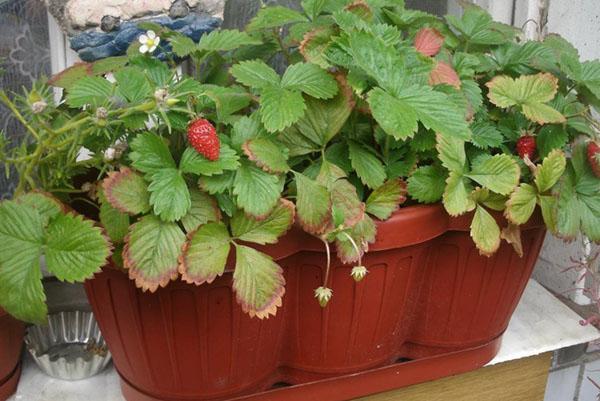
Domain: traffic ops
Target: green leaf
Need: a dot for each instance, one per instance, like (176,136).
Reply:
(273,17)
(551,137)
(322,121)
(451,152)
(70,76)
(367,165)
(477,27)
(548,207)
(528,91)
(395,116)
(127,191)
(94,91)
(150,153)
(75,249)
(205,254)
(310,79)
(225,40)
(21,238)
(151,252)
(182,45)
(265,231)
(255,73)
(246,128)
(521,204)
(258,282)
(217,183)
(550,171)
(578,204)
(169,194)
(486,135)
(267,155)
(499,173)
(427,183)
(386,199)
(280,108)
(194,163)
(456,195)
(313,8)
(257,191)
(132,84)
(203,210)
(45,204)
(227,100)
(115,222)
(485,232)
(313,204)
(590,76)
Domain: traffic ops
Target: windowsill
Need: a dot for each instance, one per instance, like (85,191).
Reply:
(540,324)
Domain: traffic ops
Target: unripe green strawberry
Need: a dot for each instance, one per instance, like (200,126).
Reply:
(203,137)
(593,155)
(526,146)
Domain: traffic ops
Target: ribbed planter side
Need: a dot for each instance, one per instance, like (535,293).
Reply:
(184,340)
(468,299)
(428,292)
(11,344)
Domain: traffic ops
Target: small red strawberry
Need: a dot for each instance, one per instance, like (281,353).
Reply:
(593,155)
(526,146)
(203,137)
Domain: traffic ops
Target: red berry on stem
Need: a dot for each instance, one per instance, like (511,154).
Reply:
(526,146)
(203,137)
(593,156)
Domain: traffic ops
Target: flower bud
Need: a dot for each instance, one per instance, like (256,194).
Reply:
(161,95)
(110,154)
(38,107)
(323,295)
(101,113)
(358,273)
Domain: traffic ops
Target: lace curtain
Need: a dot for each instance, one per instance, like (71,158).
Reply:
(24,57)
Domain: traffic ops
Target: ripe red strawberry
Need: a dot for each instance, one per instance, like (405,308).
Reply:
(593,155)
(526,146)
(203,137)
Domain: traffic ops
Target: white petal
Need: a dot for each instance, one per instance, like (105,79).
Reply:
(143,38)
(83,154)
(151,34)
(157,40)
(143,49)
(152,48)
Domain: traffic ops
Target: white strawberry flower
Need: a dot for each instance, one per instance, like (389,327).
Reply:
(149,42)
(358,273)
(323,295)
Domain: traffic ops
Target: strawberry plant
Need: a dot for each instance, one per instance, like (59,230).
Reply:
(375,106)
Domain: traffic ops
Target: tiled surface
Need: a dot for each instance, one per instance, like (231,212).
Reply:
(562,384)
(540,324)
(588,391)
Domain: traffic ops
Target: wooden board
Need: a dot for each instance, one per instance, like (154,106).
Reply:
(518,380)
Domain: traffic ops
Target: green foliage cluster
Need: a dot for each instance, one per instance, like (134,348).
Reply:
(378,104)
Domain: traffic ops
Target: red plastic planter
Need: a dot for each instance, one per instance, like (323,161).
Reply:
(11,344)
(428,297)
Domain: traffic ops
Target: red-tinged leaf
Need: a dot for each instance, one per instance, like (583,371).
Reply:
(258,282)
(429,41)
(512,234)
(68,77)
(360,8)
(205,254)
(345,200)
(314,44)
(386,199)
(265,231)
(44,203)
(151,252)
(443,73)
(363,234)
(313,205)
(127,191)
